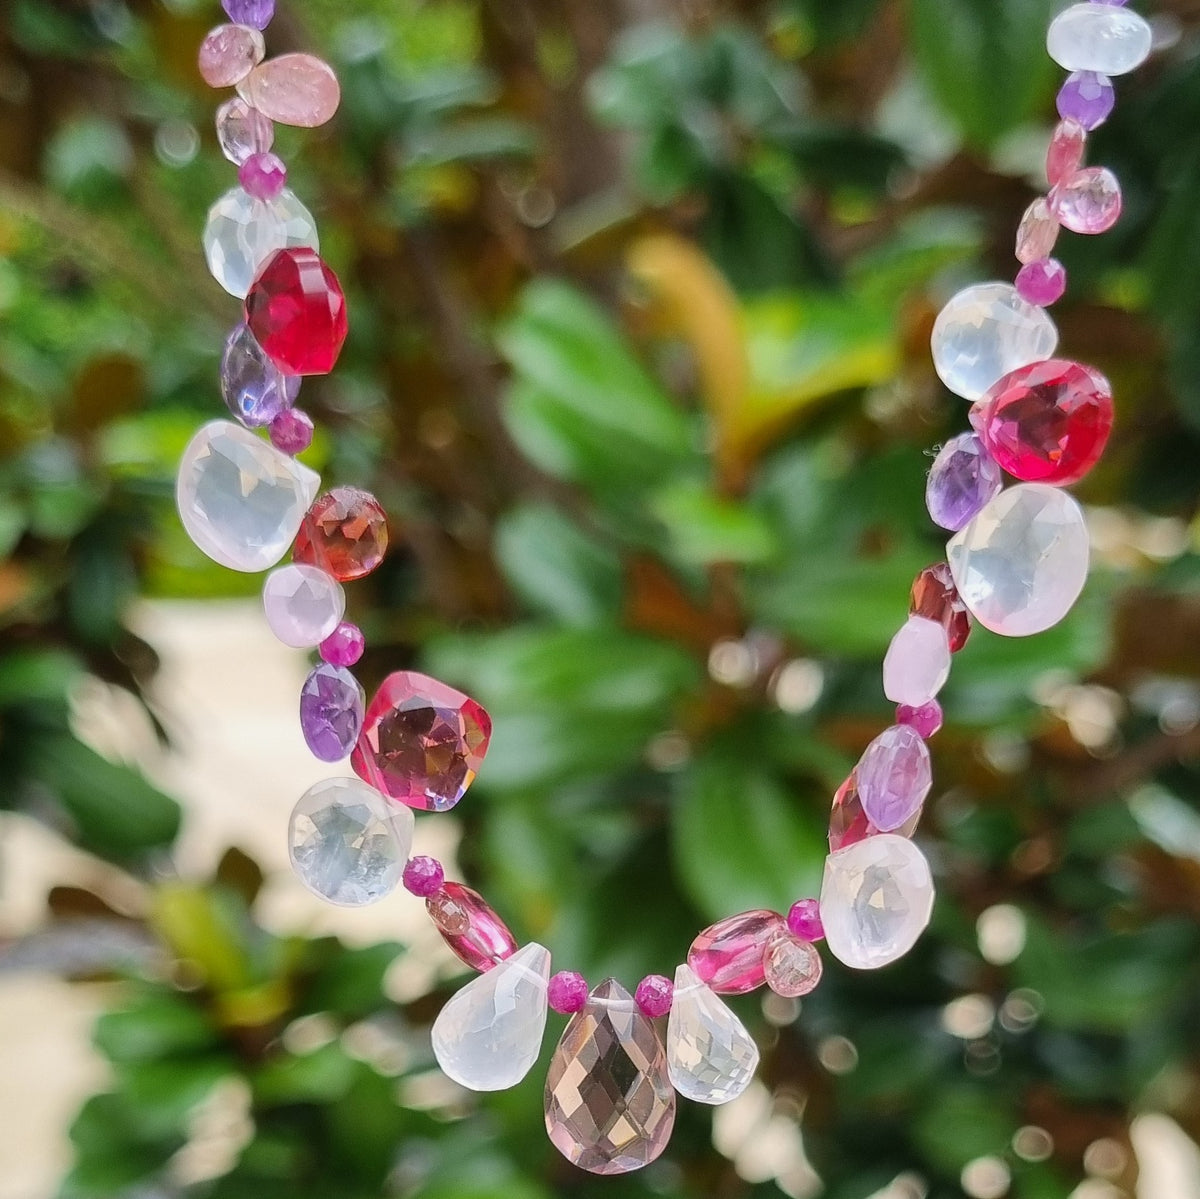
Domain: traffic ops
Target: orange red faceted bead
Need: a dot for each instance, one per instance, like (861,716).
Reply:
(344,533)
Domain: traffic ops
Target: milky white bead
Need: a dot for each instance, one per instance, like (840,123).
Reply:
(1099,37)
(917,663)
(242,232)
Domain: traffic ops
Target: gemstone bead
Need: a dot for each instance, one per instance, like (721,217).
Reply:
(610,1106)
(935,597)
(303,605)
(332,702)
(964,476)
(484,939)
(793,966)
(347,843)
(250,12)
(1089,201)
(804,920)
(229,53)
(241,500)
(242,233)
(1020,565)
(925,718)
(345,533)
(448,915)
(1088,98)
(1047,423)
(1099,37)
(254,389)
(711,1058)
(876,900)
(917,663)
(1065,154)
(654,995)
(489,1034)
(848,823)
(293,89)
(422,742)
(292,432)
(344,646)
(423,875)
(1037,232)
(568,992)
(1043,282)
(894,776)
(296,309)
(242,131)
(984,332)
(263,175)
(728,955)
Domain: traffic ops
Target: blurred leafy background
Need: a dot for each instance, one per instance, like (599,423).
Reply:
(641,293)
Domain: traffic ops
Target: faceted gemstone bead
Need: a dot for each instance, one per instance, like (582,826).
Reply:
(1047,423)
(1087,97)
(793,966)
(347,843)
(804,920)
(332,702)
(250,12)
(1088,201)
(345,534)
(1065,154)
(229,53)
(925,718)
(935,597)
(568,992)
(654,995)
(984,332)
(292,432)
(422,742)
(303,605)
(894,776)
(254,389)
(610,1106)
(711,1058)
(242,233)
(241,500)
(1037,232)
(484,940)
(293,89)
(423,876)
(448,915)
(489,1034)
(263,175)
(1020,565)
(1099,37)
(242,131)
(344,646)
(848,823)
(728,955)
(876,900)
(296,309)
(1042,283)
(964,476)
(917,663)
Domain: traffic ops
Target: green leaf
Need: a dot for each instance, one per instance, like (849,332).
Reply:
(33,675)
(704,529)
(323,1076)
(349,982)
(962,1122)
(159,1026)
(162,1094)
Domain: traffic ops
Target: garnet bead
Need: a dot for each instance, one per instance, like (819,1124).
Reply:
(344,533)
(935,597)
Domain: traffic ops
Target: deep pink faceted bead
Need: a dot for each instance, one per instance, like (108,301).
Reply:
(1065,155)
(926,719)
(804,920)
(263,175)
(485,939)
(1043,282)
(344,646)
(654,994)
(423,876)
(567,992)
(1088,201)
(292,432)
(728,955)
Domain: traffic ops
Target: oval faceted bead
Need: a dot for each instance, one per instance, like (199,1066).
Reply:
(711,1058)
(345,533)
(984,332)
(303,605)
(1099,37)
(242,131)
(728,955)
(296,309)
(1089,201)
(793,966)
(229,53)
(242,233)
(1065,154)
(1020,565)
(475,932)
(848,823)
(964,476)
(894,776)
(254,389)
(293,89)
(241,500)
(876,900)
(332,703)
(917,663)
(1037,232)
(1087,97)
(935,597)
(1042,282)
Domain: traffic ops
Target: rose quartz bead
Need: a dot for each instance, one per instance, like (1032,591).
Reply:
(229,53)
(654,994)
(567,992)
(293,89)
(1037,232)
(792,966)
(804,920)
(1042,282)
(470,926)
(728,955)
(1065,155)
(1089,201)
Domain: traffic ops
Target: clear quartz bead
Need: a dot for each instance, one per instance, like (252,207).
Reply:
(711,1058)
(243,131)
(1099,37)
(242,232)
(303,604)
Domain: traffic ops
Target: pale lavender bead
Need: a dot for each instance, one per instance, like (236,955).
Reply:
(963,478)
(243,131)
(1111,3)
(292,431)
(263,175)
(256,13)
(1087,97)
(332,703)
(894,777)
(917,663)
(1042,283)
(255,390)
(303,605)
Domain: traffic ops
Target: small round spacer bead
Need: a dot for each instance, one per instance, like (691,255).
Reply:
(263,175)
(344,646)
(423,876)
(926,719)
(654,994)
(292,432)
(804,920)
(1043,282)
(568,992)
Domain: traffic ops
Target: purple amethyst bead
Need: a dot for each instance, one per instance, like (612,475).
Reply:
(1087,97)
(256,391)
(963,478)
(292,431)
(255,13)
(894,777)
(332,703)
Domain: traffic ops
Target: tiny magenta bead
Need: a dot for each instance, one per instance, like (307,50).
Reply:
(1042,282)
(344,646)
(654,994)
(263,175)
(292,431)
(926,719)
(423,876)
(568,992)
(804,920)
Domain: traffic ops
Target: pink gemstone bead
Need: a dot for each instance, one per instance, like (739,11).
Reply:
(792,966)
(728,955)
(229,53)
(263,175)
(292,431)
(917,663)
(1037,232)
(926,719)
(423,876)
(568,992)
(654,994)
(293,89)
(344,646)
(1089,201)
(470,926)
(894,777)
(1065,155)
(1042,283)
(804,920)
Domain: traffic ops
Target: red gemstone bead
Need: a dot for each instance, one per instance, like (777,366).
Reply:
(1047,423)
(470,926)
(344,533)
(296,310)
(728,955)
(935,597)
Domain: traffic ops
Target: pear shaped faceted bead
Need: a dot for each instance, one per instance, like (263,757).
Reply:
(1099,37)
(242,232)
(876,900)
(242,131)
(610,1107)
(728,955)
(293,89)
(332,702)
(1089,201)
(489,1034)
(241,500)
(711,1058)
(1020,565)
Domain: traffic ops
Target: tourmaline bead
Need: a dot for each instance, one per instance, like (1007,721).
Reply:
(242,233)
(347,843)
(984,332)
(935,597)
(257,13)
(964,476)
(894,776)
(792,966)
(303,605)
(1043,282)
(296,309)
(568,992)
(848,823)
(876,900)
(292,432)
(293,89)
(332,702)
(470,926)
(653,995)
(229,53)
(263,175)
(917,663)
(345,534)
(1099,37)
(711,1058)
(804,920)
(242,131)
(423,875)
(254,389)
(1065,155)
(1088,98)
(925,718)
(1047,423)
(1037,232)
(241,500)
(1089,201)
(728,955)
(422,742)
(344,646)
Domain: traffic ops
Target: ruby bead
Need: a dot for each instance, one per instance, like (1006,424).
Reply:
(804,920)
(297,311)
(292,432)
(423,875)
(1065,155)
(926,718)
(728,955)
(1048,422)
(1042,282)
(263,175)
(1089,201)
(344,646)
(470,926)
(344,533)
(935,597)
(567,992)
(654,994)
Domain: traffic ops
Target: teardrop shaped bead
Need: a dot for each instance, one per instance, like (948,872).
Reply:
(489,1034)
(1037,232)
(793,966)
(477,934)
(894,776)
(963,477)
(848,823)
(1089,201)
(728,955)
(610,1106)
(242,232)
(1099,37)
(711,1058)
(293,89)
(303,605)
(254,389)
(1065,153)
(332,703)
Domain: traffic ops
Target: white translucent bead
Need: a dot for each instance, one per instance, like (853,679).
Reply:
(347,843)
(242,232)
(1099,37)
(489,1034)
(984,332)
(240,499)
(303,604)
(711,1058)
(1021,563)
(876,900)
(917,663)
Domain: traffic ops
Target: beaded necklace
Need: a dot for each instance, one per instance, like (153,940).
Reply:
(1016,562)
